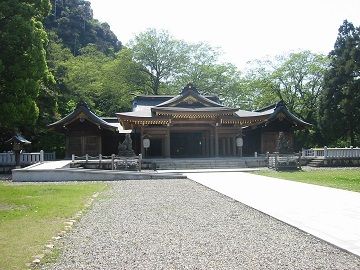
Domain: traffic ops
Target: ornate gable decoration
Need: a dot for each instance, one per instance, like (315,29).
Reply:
(189,100)
(189,97)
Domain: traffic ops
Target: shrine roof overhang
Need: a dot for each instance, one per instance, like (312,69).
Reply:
(17,138)
(134,118)
(82,112)
(279,111)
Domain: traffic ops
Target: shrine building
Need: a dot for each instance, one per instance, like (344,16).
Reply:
(186,125)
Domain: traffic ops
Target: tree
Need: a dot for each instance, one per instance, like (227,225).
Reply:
(339,110)
(107,84)
(84,75)
(295,78)
(162,56)
(23,69)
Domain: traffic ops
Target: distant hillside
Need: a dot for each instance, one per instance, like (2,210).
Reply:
(73,22)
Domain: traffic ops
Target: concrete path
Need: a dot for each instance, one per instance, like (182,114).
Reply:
(330,214)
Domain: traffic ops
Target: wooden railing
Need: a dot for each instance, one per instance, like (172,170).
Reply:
(116,162)
(351,152)
(8,158)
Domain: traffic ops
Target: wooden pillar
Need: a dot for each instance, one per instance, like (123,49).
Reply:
(233,146)
(228,146)
(203,145)
(207,144)
(167,142)
(141,142)
(212,143)
(67,150)
(100,144)
(223,145)
(216,144)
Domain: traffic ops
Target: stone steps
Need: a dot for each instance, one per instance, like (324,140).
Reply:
(180,164)
(316,162)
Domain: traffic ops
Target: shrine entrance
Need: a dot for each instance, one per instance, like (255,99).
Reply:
(188,144)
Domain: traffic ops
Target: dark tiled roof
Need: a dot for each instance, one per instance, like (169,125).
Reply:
(83,108)
(18,139)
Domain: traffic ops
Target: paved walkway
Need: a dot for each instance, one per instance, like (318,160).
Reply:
(180,224)
(330,214)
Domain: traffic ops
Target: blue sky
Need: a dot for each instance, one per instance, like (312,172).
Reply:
(244,30)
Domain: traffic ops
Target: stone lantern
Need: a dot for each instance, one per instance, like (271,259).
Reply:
(18,142)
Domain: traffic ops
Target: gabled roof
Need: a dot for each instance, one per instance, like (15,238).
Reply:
(281,108)
(82,111)
(18,139)
(278,111)
(190,97)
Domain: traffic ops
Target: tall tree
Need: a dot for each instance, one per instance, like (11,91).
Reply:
(107,84)
(162,56)
(295,78)
(23,68)
(339,111)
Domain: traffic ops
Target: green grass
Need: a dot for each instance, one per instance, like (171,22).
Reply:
(348,179)
(30,215)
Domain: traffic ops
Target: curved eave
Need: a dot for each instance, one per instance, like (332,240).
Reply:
(290,117)
(244,121)
(88,115)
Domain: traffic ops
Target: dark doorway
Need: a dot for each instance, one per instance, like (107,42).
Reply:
(155,149)
(186,144)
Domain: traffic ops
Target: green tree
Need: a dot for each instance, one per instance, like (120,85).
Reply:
(295,78)
(84,75)
(107,84)
(339,110)
(162,57)
(122,80)
(23,68)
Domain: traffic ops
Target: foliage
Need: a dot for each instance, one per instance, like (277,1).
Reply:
(73,22)
(161,56)
(31,214)
(348,179)
(23,69)
(340,100)
(105,83)
(297,79)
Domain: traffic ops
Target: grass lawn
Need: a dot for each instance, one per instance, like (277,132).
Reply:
(30,215)
(348,179)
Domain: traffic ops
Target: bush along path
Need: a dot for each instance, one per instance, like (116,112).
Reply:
(179,224)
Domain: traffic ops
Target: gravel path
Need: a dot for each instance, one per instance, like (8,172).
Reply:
(179,224)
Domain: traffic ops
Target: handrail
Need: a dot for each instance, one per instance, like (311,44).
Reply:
(332,152)
(117,162)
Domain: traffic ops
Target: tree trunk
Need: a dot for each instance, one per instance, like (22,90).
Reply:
(156,85)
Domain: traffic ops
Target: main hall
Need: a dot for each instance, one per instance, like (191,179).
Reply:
(186,125)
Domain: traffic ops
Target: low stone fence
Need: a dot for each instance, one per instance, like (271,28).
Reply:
(8,158)
(327,152)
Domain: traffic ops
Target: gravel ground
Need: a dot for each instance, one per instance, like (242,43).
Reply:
(179,224)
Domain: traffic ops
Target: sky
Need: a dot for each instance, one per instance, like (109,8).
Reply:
(244,30)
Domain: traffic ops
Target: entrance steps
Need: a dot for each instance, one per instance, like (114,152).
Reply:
(316,162)
(202,163)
